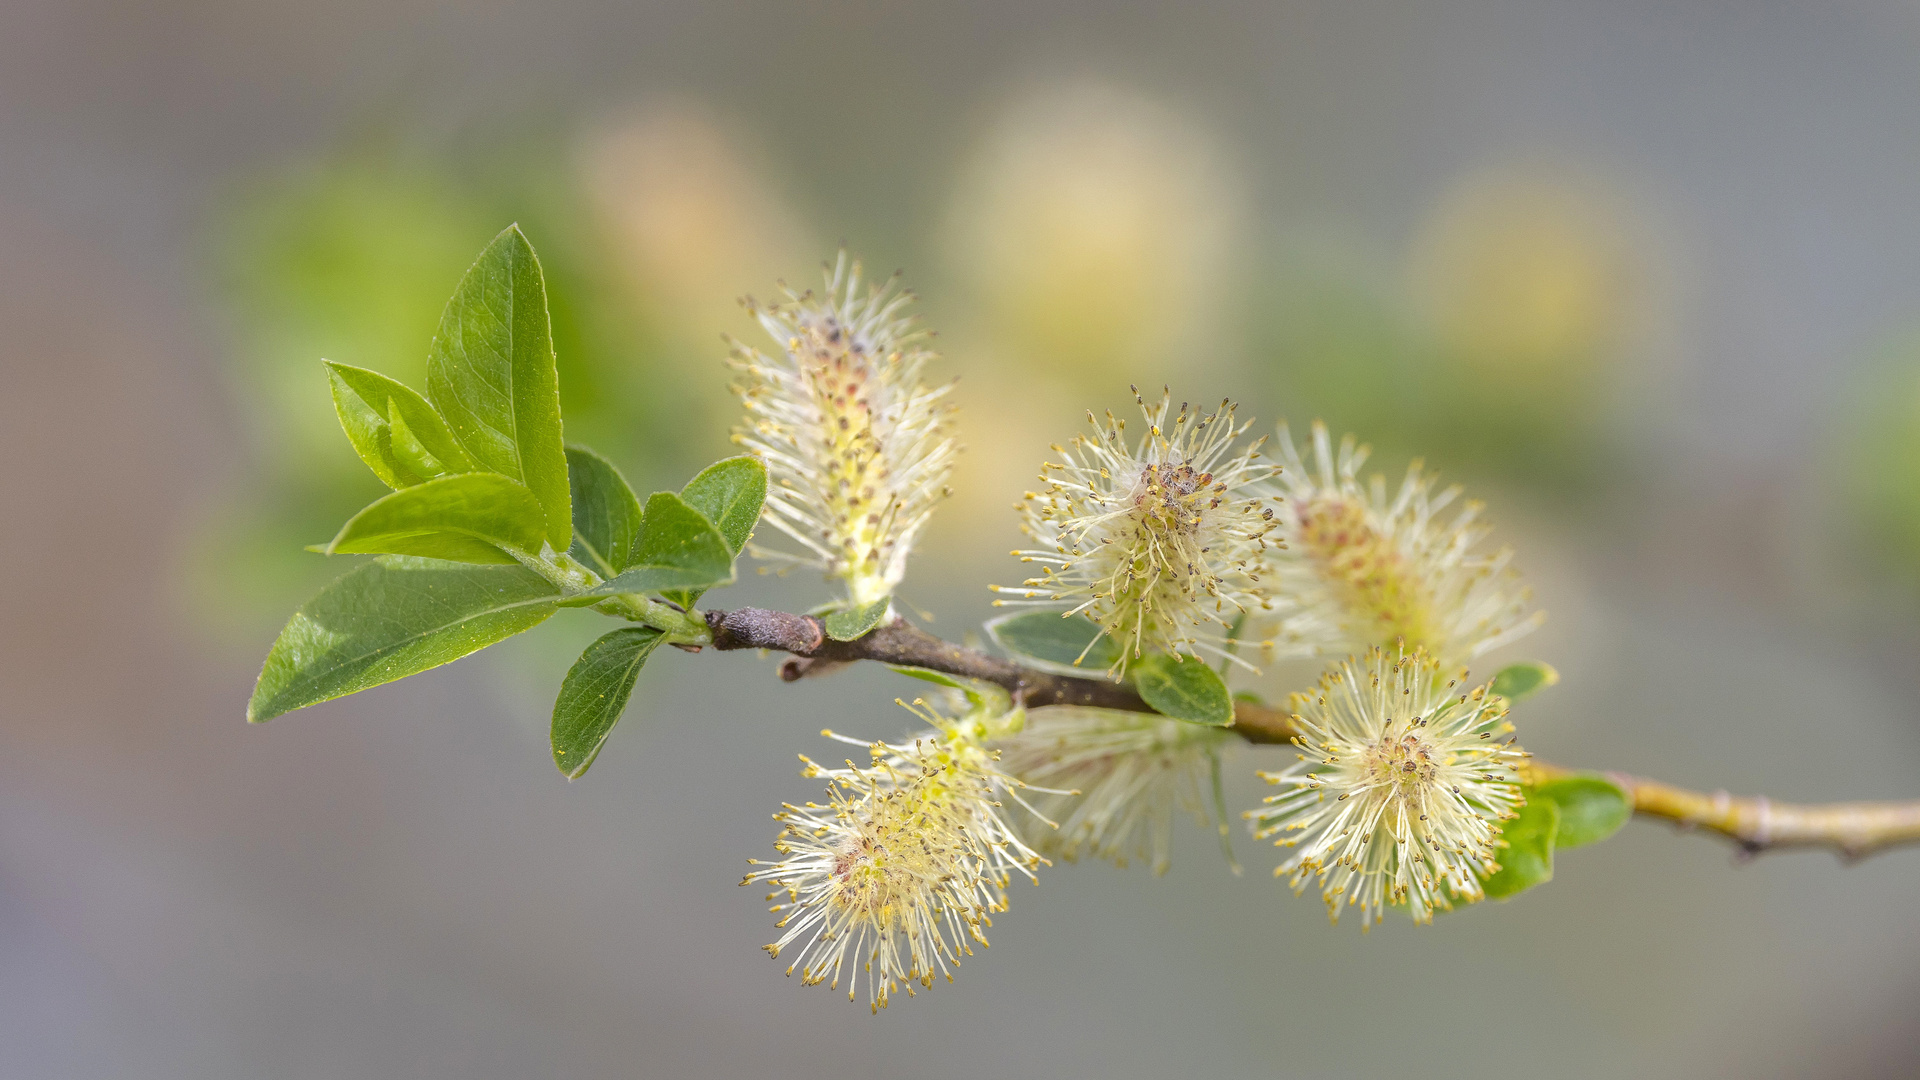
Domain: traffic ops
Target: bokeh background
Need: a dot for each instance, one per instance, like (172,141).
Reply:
(1646,276)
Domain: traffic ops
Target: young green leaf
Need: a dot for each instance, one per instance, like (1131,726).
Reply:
(367,430)
(729,493)
(369,404)
(1592,808)
(606,514)
(938,678)
(490,372)
(847,624)
(594,694)
(407,448)
(470,518)
(677,548)
(1045,640)
(1527,860)
(1516,681)
(389,619)
(981,696)
(1183,689)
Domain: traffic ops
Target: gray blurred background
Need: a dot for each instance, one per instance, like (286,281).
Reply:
(1645,275)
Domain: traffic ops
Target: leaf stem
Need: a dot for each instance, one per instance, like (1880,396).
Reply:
(569,575)
(680,627)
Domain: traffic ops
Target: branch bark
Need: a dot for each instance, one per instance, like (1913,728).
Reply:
(902,643)
(1754,823)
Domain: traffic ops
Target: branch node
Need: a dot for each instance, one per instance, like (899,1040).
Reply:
(758,628)
(808,667)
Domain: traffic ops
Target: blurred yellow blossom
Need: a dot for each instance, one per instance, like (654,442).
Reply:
(1525,269)
(1091,229)
(692,215)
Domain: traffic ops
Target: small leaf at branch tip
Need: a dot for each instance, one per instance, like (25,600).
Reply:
(1528,857)
(1185,691)
(849,624)
(1518,681)
(1057,642)
(1592,807)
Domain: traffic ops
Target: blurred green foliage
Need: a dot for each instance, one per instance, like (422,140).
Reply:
(1877,460)
(1357,358)
(1502,343)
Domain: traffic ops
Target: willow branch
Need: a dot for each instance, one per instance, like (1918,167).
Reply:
(1754,823)
(902,643)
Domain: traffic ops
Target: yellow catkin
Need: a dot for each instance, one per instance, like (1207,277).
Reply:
(1376,579)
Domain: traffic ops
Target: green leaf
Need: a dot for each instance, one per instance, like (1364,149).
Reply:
(982,696)
(606,514)
(389,619)
(848,624)
(1184,689)
(678,548)
(369,405)
(939,678)
(1044,639)
(729,493)
(594,695)
(465,518)
(408,450)
(1592,808)
(1527,859)
(1516,681)
(490,372)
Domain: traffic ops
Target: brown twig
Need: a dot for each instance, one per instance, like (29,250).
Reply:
(902,643)
(1755,823)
